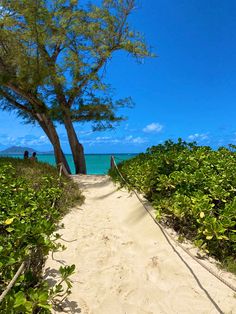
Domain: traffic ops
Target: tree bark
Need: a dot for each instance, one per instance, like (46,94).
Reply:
(49,129)
(76,147)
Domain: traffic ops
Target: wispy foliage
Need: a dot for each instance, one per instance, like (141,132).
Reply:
(57,51)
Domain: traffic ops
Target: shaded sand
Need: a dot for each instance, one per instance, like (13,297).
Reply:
(124,264)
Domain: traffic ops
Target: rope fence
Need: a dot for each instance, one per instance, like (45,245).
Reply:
(168,235)
(63,169)
(120,159)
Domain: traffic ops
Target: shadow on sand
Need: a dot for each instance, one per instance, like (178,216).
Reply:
(94,181)
(51,275)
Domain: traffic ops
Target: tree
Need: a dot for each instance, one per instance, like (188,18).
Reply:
(24,109)
(13,96)
(62,50)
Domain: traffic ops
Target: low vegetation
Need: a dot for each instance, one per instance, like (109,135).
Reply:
(32,201)
(192,189)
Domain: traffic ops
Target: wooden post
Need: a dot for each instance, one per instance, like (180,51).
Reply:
(112,164)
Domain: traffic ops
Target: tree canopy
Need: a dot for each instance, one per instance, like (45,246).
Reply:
(53,56)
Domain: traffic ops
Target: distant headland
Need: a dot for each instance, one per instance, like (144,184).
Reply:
(17,150)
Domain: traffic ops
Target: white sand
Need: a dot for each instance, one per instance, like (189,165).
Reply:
(124,264)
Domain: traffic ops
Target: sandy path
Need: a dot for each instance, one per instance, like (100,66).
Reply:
(124,263)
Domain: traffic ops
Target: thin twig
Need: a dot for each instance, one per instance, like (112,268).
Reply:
(13,281)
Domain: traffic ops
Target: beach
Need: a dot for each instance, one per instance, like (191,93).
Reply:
(124,263)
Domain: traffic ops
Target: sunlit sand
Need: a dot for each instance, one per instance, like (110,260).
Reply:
(124,263)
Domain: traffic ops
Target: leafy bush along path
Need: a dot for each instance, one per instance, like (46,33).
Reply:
(192,189)
(125,265)
(32,201)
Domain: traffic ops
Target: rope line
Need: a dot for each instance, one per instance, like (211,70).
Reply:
(121,159)
(167,234)
(63,168)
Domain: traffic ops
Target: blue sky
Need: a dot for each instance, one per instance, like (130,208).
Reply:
(188,91)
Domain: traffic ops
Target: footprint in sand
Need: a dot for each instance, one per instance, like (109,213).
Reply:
(153,270)
(154,262)
(105,238)
(127,243)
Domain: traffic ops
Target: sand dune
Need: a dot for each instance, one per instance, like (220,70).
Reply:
(124,264)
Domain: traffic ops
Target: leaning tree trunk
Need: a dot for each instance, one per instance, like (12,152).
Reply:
(44,121)
(76,147)
(49,129)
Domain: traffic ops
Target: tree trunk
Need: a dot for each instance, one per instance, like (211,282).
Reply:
(76,147)
(49,129)
(44,121)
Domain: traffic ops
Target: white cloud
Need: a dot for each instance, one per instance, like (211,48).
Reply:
(27,140)
(85,133)
(198,136)
(43,139)
(103,138)
(139,140)
(100,140)
(153,128)
(135,140)
(111,140)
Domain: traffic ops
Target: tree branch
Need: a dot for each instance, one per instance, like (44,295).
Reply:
(27,96)
(116,46)
(15,103)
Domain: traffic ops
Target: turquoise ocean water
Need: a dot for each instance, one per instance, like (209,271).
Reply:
(96,163)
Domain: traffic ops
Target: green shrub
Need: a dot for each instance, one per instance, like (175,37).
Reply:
(193,189)
(32,201)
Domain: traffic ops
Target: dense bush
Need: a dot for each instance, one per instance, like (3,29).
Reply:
(32,200)
(193,189)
